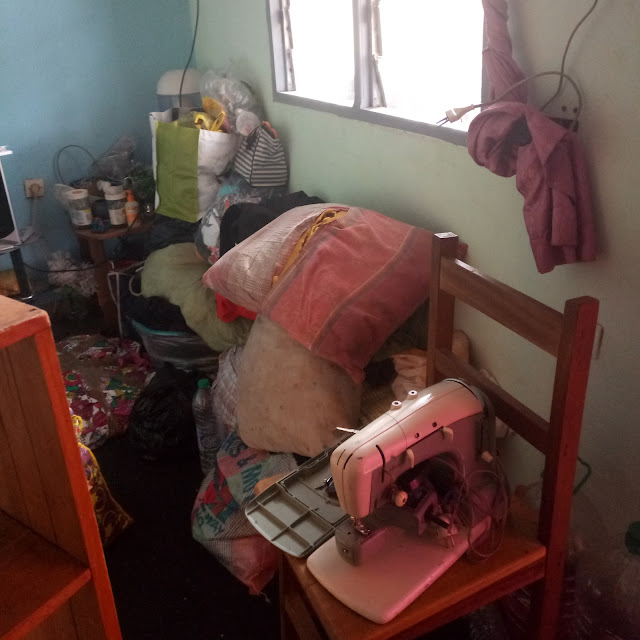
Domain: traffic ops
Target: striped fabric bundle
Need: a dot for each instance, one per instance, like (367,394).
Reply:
(261,160)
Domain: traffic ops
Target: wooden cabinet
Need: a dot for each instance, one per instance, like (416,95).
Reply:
(53,577)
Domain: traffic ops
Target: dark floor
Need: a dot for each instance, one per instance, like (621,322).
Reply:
(166,585)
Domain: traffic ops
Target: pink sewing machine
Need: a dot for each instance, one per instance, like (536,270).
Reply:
(420,486)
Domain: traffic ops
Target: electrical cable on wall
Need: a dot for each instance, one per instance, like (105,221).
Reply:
(56,160)
(453,115)
(193,45)
(564,56)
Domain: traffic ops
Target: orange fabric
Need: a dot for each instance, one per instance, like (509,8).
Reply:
(228,311)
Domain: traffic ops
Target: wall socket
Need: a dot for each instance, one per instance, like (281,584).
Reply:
(34,187)
(597,342)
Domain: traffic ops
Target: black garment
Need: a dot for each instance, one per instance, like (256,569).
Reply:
(242,220)
(166,231)
(153,312)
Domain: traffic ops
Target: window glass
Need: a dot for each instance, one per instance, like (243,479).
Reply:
(323,49)
(431,58)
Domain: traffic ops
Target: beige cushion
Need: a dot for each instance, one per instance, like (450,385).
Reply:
(290,399)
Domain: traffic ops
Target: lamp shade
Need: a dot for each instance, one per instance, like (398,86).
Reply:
(168,89)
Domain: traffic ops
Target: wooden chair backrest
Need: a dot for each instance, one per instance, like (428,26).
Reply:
(567,336)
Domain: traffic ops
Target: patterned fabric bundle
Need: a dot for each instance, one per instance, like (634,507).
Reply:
(261,160)
(217,520)
(112,518)
(103,377)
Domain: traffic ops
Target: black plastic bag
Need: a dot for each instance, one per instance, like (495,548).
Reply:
(161,421)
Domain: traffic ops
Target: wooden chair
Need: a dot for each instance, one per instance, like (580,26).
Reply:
(569,338)
(531,553)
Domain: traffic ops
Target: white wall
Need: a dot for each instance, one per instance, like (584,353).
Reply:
(436,185)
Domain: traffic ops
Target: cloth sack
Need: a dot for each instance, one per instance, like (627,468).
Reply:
(175,274)
(187,164)
(290,399)
(261,160)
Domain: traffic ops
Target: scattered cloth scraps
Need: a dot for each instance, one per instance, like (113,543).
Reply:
(103,377)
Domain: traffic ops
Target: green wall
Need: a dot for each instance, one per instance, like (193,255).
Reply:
(436,185)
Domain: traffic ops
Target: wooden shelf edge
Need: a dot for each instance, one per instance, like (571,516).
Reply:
(19,320)
(28,624)
(37,578)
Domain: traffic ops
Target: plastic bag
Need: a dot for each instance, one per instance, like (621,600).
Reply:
(185,351)
(234,95)
(115,163)
(161,420)
(187,164)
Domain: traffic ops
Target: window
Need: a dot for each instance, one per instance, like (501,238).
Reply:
(400,63)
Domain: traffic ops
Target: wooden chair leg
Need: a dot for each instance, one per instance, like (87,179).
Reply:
(296,622)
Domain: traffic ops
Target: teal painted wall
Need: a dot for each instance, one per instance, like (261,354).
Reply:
(435,184)
(79,72)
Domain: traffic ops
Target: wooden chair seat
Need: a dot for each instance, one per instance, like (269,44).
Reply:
(460,590)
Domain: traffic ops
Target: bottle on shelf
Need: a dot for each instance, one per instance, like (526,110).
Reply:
(206,427)
(116,201)
(79,208)
(131,207)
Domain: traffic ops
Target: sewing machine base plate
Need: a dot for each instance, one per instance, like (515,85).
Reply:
(382,587)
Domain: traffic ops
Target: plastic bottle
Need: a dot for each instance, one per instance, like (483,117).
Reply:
(206,427)
(116,206)
(132,208)
(79,208)
(609,590)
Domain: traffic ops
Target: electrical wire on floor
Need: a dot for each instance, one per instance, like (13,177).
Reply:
(193,45)
(116,297)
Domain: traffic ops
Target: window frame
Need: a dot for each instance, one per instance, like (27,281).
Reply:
(363,86)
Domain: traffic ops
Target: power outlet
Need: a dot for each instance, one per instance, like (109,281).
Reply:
(34,187)
(597,342)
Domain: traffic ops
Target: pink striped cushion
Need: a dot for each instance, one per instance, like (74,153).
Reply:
(357,281)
